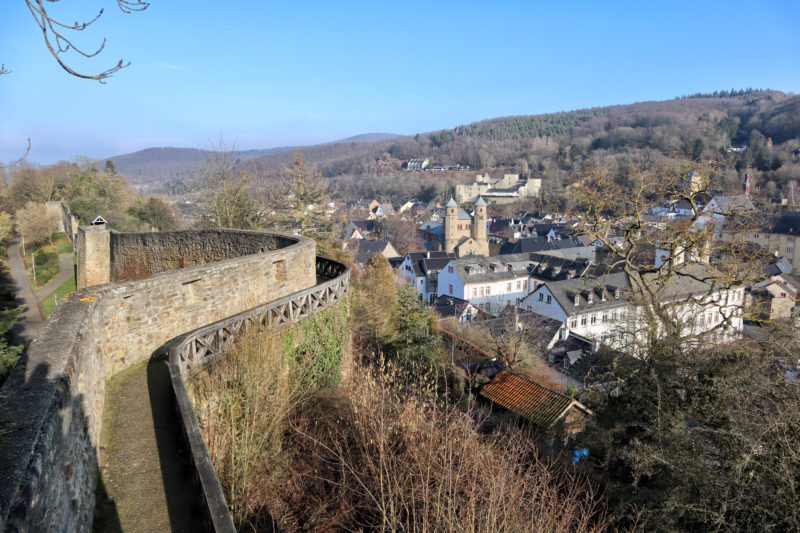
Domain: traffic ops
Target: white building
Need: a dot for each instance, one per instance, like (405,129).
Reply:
(604,309)
(421,269)
(491,283)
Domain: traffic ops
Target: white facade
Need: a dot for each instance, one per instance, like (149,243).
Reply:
(611,320)
(492,296)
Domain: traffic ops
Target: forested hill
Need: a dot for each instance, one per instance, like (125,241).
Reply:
(555,145)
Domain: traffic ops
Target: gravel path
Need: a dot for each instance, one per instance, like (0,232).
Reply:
(29,323)
(65,271)
(146,475)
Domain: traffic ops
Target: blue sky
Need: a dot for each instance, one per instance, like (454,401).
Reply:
(265,74)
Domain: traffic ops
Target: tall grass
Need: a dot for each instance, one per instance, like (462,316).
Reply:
(242,402)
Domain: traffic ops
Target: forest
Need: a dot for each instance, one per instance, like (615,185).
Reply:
(555,147)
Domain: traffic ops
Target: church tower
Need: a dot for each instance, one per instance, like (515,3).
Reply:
(450,224)
(479,228)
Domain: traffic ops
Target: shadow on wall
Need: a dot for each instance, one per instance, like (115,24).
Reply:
(58,484)
(186,509)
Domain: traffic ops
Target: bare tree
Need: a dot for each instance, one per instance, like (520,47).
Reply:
(58,38)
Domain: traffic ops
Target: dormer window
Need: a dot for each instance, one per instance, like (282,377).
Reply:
(590,298)
(603,295)
(577,300)
(617,293)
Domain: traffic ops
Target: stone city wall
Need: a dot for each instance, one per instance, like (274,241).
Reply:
(51,406)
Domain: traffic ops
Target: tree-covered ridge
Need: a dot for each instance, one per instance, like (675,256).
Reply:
(528,127)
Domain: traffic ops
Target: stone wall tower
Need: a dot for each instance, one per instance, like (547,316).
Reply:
(450,224)
(479,227)
(93,250)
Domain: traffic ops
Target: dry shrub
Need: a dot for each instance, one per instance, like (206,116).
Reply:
(242,401)
(384,455)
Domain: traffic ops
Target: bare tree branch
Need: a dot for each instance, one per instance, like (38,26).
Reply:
(58,42)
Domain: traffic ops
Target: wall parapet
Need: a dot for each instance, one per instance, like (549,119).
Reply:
(51,406)
(192,350)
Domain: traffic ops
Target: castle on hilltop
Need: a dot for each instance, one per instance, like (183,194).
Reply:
(462,234)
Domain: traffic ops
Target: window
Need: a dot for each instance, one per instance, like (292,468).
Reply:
(592,318)
(524,284)
(474,292)
(481,292)
(508,287)
(488,290)
(450,269)
(783,295)
(573,322)
(583,320)
(459,227)
(605,317)
(541,297)
(450,289)
(519,284)
(549,298)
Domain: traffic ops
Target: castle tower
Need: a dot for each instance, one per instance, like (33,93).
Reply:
(479,227)
(746,185)
(450,224)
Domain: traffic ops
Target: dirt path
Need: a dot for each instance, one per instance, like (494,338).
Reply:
(30,322)
(65,271)
(148,482)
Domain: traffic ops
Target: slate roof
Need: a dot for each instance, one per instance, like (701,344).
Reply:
(540,405)
(451,203)
(478,269)
(367,225)
(788,223)
(463,215)
(364,249)
(687,281)
(429,260)
(450,306)
(537,244)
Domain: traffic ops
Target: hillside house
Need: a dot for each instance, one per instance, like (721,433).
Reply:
(417,164)
(421,269)
(605,309)
(782,238)
(777,297)
(364,249)
(461,310)
(359,229)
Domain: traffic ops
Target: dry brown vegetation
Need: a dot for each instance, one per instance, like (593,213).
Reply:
(383,452)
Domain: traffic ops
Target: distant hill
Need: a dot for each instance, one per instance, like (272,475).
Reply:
(370,137)
(552,146)
(159,165)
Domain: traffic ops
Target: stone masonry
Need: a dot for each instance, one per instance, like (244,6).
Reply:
(51,407)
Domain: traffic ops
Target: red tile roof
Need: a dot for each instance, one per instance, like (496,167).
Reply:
(538,404)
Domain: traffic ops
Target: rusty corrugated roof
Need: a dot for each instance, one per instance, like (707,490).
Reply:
(538,404)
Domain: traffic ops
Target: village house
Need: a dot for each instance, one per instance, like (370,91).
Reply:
(364,249)
(776,297)
(461,310)
(359,229)
(781,238)
(417,164)
(421,269)
(607,309)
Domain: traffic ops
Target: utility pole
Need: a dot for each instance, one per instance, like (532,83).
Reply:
(33,261)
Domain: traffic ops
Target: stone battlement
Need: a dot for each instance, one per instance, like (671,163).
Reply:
(160,286)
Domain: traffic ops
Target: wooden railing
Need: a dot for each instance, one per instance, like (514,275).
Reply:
(192,350)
